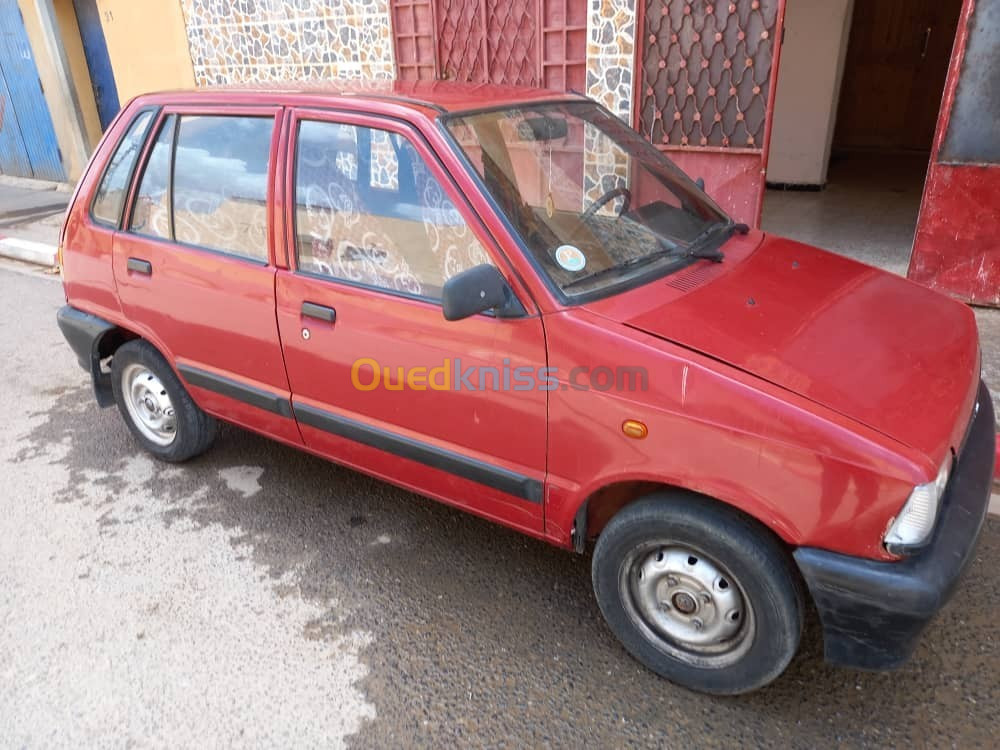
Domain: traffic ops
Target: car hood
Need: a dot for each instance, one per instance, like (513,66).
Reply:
(870,345)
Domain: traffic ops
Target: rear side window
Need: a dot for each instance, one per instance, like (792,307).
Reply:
(220,183)
(110,196)
(151,214)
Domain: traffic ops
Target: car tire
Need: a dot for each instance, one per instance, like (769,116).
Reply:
(699,593)
(156,406)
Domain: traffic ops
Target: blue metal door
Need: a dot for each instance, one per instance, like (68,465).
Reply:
(95,49)
(28,146)
(13,154)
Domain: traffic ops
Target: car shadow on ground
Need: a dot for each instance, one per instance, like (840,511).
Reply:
(481,634)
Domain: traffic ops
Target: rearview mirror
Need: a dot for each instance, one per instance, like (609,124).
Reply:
(477,290)
(542,128)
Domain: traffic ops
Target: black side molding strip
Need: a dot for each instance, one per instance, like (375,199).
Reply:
(486,474)
(248,394)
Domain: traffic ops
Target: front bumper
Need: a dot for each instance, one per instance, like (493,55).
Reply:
(873,612)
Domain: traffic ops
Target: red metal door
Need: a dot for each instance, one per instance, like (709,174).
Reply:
(517,42)
(706,73)
(956,248)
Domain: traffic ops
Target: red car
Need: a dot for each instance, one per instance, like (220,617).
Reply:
(507,300)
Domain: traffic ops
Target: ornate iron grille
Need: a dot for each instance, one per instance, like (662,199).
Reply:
(705,70)
(461,40)
(488,41)
(518,42)
(512,42)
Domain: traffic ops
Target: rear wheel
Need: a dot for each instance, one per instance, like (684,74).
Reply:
(699,593)
(155,405)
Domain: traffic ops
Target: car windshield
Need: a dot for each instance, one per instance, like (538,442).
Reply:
(597,205)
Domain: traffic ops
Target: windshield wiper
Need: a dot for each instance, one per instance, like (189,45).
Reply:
(695,250)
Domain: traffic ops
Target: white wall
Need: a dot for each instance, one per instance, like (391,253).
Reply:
(812,64)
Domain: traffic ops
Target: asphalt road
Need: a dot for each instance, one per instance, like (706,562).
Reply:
(257,595)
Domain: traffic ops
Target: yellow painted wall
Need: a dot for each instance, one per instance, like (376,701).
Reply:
(60,109)
(148,46)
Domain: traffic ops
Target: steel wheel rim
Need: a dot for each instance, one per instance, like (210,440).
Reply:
(687,604)
(148,405)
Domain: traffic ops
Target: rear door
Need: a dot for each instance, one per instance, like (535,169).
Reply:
(193,263)
(380,380)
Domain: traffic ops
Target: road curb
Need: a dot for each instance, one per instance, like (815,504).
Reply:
(40,253)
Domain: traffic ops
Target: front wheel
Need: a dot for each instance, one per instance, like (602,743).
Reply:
(699,593)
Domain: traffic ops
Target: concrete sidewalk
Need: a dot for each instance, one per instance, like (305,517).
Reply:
(31,213)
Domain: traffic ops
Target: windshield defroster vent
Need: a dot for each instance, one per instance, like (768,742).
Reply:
(692,276)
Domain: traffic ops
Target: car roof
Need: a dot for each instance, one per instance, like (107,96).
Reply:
(440,96)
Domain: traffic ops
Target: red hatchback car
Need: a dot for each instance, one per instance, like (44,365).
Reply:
(507,300)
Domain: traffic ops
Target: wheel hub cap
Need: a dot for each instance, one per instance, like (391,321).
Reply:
(149,405)
(686,598)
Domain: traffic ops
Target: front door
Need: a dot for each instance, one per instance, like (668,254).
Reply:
(380,380)
(896,64)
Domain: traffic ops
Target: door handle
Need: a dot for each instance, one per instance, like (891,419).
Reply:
(319,312)
(927,42)
(140,266)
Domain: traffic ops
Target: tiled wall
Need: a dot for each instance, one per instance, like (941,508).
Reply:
(610,62)
(611,54)
(236,41)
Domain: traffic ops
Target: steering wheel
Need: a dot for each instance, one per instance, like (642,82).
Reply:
(609,196)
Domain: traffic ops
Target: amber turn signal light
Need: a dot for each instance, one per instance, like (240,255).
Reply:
(633,428)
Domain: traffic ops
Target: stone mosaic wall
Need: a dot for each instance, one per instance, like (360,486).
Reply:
(611,54)
(240,41)
(610,63)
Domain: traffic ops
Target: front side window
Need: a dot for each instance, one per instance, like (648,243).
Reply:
(220,183)
(151,214)
(368,210)
(110,195)
(596,205)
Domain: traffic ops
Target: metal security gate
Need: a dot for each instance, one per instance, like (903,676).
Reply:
(957,248)
(706,73)
(28,146)
(516,42)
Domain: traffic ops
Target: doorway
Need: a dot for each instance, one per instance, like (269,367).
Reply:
(886,112)
(95,50)
(28,146)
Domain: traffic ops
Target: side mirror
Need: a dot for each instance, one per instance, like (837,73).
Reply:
(477,290)
(700,182)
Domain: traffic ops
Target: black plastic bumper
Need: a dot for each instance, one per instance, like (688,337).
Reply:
(84,332)
(873,612)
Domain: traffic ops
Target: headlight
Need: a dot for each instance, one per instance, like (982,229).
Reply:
(915,521)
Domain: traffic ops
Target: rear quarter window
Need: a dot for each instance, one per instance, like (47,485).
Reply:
(151,209)
(110,196)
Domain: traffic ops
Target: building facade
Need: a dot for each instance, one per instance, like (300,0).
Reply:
(698,78)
